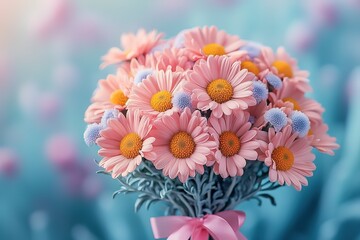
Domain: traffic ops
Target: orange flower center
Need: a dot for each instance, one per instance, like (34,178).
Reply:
(310,132)
(213,49)
(130,145)
(118,98)
(161,101)
(283,158)
(250,66)
(229,144)
(293,101)
(283,68)
(220,90)
(182,145)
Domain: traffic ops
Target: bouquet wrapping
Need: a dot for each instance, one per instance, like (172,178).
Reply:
(202,122)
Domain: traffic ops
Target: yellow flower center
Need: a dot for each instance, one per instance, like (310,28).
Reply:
(130,145)
(293,101)
(213,49)
(250,66)
(283,158)
(118,98)
(229,144)
(161,101)
(283,68)
(220,90)
(182,145)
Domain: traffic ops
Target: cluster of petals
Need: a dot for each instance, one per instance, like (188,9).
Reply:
(206,99)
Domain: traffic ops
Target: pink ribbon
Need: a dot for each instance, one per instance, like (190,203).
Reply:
(220,226)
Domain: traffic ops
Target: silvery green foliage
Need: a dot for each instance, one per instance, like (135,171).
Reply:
(203,194)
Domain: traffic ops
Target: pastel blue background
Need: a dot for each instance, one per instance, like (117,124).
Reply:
(50,53)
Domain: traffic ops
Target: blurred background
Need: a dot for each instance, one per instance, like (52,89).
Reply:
(49,66)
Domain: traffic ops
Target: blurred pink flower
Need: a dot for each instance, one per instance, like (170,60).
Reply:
(61,151)
(9,162)
(134,46)
(321,140)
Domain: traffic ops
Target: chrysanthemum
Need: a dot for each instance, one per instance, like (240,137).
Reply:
(282,65)
(236,143)
(321,140)
(174,57)
(182,144)
(112,92)
(125,142)
(290,98)
(200,43)
(289,158)
(219,85)
(153,96)
(133,46)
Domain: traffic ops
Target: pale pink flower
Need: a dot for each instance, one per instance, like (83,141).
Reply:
(290,98)
(182,144)
(235,143)
(281,64)
(153,96)
(289,158)
(321,140)
(174,57)
(200,43)
(219,85)
(134,45)
(112,92)
(124,143)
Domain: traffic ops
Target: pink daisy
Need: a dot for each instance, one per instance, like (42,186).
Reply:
(153,96)
(289,158)
(182,144)
(236,143)
(200,43)
(175,58)
(125,142)
(290,98)
(219,85)
(134,46)
(321,140)
(285,67)
(112,92)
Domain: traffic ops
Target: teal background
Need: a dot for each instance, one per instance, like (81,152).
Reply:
(49,66)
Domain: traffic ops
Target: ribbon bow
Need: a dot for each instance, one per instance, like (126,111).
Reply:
(220,226)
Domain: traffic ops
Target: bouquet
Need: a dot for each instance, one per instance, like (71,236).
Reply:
(202,122)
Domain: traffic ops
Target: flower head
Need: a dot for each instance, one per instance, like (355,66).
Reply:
(235,143)
(289,158)
(321,140)
(182,144)
(153,96)
(112,93)
(276,118)
(134,46)
(218,85)
(260,91)
(92,133)
(182,100)
(300,123)
(125,142)
(200,43)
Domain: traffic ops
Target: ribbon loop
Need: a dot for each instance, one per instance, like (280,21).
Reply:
(222,225)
